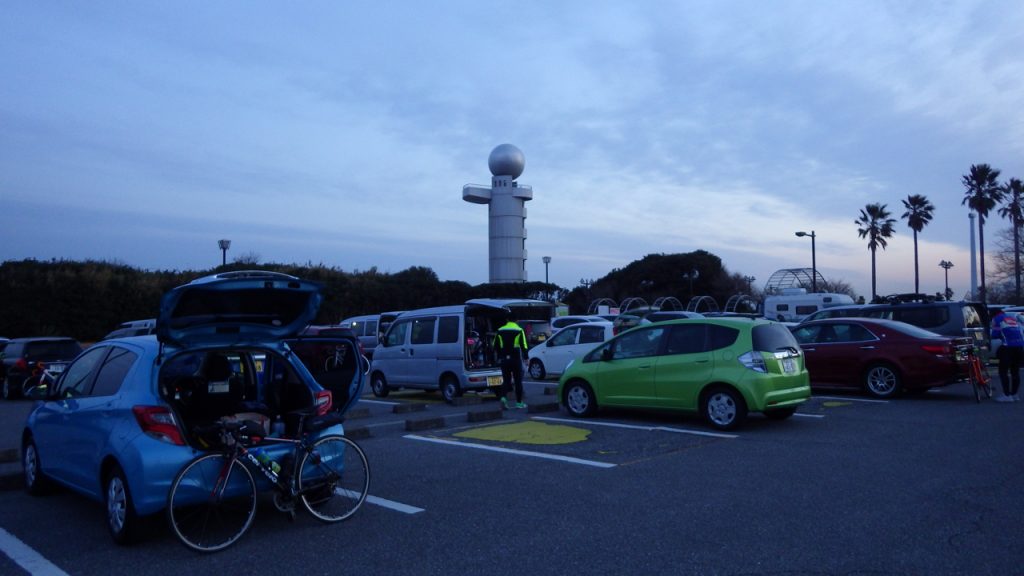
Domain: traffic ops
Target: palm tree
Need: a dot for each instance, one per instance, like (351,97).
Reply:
(1014,210)
(877,226)
(983,193)
(918,215)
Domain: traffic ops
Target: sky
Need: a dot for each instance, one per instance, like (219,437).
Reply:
(341,133)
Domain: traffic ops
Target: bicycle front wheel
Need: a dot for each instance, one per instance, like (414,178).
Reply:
(334,478)
(211,503)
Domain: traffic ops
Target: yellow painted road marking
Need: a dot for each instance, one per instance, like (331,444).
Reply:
(833,404)
(528,432)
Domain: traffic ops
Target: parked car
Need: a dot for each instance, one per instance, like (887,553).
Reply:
(133,328)
(721,368)
(559,322)
(126,415)
(25,359)
(881,357)
(573,341)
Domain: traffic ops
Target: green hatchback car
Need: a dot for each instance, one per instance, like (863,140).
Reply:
(721,368)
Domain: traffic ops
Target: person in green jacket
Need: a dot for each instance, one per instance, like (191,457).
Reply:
(510,344)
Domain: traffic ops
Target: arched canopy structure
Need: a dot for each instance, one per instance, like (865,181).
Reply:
(668,303)
(697,301)
(596,305)
(792,278)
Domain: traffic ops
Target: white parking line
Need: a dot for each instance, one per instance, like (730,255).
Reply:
(809,415)
(851,399)
(635,427)
(365,401)
(26,557)
(398,506)
(568,459)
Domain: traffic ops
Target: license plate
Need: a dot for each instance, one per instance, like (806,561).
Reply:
(788,365)
(494,380)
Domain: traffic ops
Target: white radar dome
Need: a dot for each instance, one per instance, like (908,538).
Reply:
(506,160)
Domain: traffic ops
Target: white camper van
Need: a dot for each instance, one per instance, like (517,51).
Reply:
(793,304)
(448,348)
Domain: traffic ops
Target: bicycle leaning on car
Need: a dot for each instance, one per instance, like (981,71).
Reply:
(212,501)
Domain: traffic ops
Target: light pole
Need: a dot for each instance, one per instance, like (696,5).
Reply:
(946,265)
(814,265)
(691,276)
(750,283)
(224,245)
(547,260)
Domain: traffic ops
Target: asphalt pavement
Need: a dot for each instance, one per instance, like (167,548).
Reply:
(12,420)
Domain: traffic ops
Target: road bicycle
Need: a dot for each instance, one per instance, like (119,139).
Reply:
(977,374)
(336,359)
(212,501)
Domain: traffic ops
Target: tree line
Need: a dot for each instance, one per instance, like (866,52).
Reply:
(983,193)
(86,300)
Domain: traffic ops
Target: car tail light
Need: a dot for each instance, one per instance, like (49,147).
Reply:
(323,402)
(939,349)
(754,361)
(159,422)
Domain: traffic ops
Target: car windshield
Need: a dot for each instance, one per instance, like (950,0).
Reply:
(773,338)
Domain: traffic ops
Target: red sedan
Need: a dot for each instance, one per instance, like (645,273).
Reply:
(882,357)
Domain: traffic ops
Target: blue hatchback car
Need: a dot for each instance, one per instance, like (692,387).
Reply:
(119,423)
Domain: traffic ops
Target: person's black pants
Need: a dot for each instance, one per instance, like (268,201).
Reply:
(512,374)
(1009,368)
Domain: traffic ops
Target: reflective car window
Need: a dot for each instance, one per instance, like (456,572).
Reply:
(423,331)
(686,339)
(639,343)
(591,334)
(396,335)
(115,367)
(721,336)
(77,380)
(447,329)
(806,334)
(565,337)
(772,338)
(852,333)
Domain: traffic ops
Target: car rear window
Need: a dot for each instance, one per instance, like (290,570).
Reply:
(772,338)
(721,336)
(52,350)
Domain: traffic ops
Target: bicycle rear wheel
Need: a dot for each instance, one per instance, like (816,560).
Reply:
(211,503)
(334,478)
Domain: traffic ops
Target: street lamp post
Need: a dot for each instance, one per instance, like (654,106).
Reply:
(691,276)
(547,260)
(224,245)
(750,283)
(814,265)
(946,265)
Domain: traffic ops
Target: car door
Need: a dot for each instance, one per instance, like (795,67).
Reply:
(422,359)
(73,426)
(626,378)
(557,352)
(684,367)
(392,354)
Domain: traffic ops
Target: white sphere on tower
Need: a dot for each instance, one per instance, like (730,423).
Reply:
(506,160)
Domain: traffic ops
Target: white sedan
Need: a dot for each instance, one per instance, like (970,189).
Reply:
(569,343)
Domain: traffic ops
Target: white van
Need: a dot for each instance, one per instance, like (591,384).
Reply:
(795,303)
(369,328)
(448,348)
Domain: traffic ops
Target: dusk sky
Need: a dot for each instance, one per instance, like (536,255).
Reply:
(342,133)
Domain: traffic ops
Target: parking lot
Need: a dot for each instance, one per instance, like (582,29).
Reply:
(917,485)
